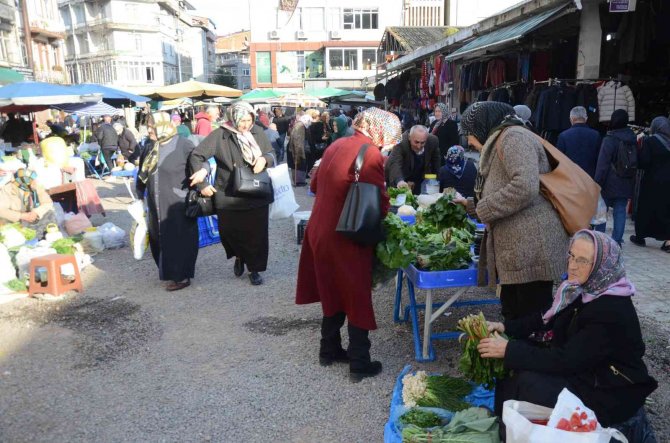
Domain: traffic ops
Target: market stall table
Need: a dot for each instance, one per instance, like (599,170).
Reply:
(429,281)
(66,195)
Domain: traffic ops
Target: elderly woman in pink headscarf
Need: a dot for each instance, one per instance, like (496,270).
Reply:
(592,342)
(334,270)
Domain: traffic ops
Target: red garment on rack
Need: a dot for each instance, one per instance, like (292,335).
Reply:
(495,72)
(438,72)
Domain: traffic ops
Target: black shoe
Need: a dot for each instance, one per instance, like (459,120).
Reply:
(338,357)
(238,269)
(369,370)
(255,278)
(638,241)
(665,247)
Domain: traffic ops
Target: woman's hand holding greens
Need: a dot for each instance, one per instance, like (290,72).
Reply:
(494,326)
(493,347)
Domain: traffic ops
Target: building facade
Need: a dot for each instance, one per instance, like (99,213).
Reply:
(136,43)
(428,13)
(47,34)
(321,41)
(232,56)
(13,53)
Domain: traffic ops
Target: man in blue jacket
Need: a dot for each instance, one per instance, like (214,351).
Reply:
(580,143)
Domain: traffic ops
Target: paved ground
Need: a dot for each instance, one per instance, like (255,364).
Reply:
(223,361)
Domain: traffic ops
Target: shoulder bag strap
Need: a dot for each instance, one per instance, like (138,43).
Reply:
(358,163)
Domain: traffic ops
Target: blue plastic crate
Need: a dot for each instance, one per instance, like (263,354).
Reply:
(409,219)
(442,279)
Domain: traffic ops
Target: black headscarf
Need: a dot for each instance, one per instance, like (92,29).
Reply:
(619,119)
(482,118)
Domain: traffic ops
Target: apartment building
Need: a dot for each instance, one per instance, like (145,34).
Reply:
(135,42)
(319,41)
(429,13)
(232,55)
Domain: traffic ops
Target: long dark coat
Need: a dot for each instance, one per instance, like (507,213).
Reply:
(173,237)
(333,269)
(653,211)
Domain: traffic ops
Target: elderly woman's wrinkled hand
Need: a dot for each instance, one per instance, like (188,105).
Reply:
(198,177)
(29,217)
(493,347)
(494,326)
(259,165)
(208,191)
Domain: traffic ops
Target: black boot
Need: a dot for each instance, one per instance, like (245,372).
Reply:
(255,278)
(360,365)
(638,240)
(331,341)
(238,269)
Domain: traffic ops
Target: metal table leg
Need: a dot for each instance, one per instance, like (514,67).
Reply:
(426,323)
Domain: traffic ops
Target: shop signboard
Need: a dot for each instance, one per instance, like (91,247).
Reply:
(620,5)
(263,67)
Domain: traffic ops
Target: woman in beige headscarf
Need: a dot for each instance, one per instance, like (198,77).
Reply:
(243,222)
(163,174)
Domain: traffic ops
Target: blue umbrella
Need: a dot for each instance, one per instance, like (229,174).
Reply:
(90,109)
(41,94)
(112,96)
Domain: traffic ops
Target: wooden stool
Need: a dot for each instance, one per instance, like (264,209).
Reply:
(56,284)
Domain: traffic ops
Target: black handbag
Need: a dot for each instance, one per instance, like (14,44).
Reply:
(198,205)
(246,184)
(361,216)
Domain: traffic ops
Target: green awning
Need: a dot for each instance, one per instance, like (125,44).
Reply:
(8,75)
(508,33)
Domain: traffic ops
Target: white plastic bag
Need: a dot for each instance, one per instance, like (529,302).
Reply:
(517,416)
(7,271)
(60,214)
(26,254)
(92,242)
(112,236)
(601,213)
(139,232)
(12,237)
(284,204)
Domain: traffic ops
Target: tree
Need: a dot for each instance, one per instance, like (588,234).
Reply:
(225,78)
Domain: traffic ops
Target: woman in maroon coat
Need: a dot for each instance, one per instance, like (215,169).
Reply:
(333,269)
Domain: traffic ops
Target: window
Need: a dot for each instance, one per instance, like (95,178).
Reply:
(263,67)
(360,18)
(334,17)
(4,46)
(137,41)
(312,19)
(80,16)
(150,74)
(343,59)
(369,59)
(246,72)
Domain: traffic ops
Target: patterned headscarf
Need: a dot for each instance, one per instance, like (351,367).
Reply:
(24,178)
(481,118)
(248,145)
(660,128)
(164,130)
(382,127)
(456,160)
(607,277)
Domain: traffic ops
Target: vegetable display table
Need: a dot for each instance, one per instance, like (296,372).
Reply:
(429,281)
(127,175)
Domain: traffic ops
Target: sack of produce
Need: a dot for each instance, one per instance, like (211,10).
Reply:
(77,224)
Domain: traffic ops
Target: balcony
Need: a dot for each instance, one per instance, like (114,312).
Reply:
(109,24)
(50,29)
(52,76)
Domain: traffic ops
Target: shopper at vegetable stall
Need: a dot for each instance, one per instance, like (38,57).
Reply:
(445,129)
(243,221)
(415,156)
(24,200)
(333,269)
(525,241)
(163,174)
(458,173)
(595,345)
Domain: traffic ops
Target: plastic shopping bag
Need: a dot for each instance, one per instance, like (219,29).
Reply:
(77,224)
(139,232)
(284,204)
(601,213)
(112,236)
(529,423)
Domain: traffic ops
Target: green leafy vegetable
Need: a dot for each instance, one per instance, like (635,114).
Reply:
(444,214)
(410,198)
(472,365)
(17,285)
(445,392)
(64,246)
(420,418)
(398,250)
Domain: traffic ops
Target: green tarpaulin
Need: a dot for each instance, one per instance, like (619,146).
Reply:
(9,76)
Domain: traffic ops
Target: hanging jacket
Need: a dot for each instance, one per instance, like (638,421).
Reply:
(613,96)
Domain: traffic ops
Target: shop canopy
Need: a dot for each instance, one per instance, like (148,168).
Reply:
(298,100)
(8,75)
(325,93)
(38,94)
(507,34)
(112,96)
(194,89)
(261,94)
(90,109)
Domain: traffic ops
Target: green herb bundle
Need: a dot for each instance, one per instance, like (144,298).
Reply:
(64,246)
(410,199)
(16,285)
(398,250)
(480,370)
(445,392)
(419,417)
(445,214)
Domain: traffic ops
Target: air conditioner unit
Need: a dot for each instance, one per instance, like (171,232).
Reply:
(301,35)
(274,35)
(335,35)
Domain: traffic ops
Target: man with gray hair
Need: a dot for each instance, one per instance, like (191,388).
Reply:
(580,143)
(415,156)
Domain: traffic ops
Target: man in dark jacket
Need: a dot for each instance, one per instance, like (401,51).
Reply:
(127,142)
(580,143)
(415,156)
(616,190)
(108,140)
(282,123)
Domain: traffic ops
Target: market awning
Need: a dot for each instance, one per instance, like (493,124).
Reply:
(90,109)
(194,89)
(8,75)
(508,33)
(112,96)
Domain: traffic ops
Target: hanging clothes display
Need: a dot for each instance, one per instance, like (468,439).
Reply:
(612,96)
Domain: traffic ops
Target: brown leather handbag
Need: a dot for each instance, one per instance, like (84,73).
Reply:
(569,189)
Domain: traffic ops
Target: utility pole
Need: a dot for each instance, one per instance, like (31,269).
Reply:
(26,34)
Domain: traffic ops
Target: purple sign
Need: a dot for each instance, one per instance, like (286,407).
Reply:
(619,5)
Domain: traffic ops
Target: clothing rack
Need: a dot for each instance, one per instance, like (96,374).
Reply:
(553,81)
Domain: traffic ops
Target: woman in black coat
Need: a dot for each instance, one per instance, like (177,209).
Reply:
(653,211)
(163,174)
(445,129)
(243,222)
(593,347)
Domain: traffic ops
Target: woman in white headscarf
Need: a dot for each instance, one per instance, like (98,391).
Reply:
(243,222)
